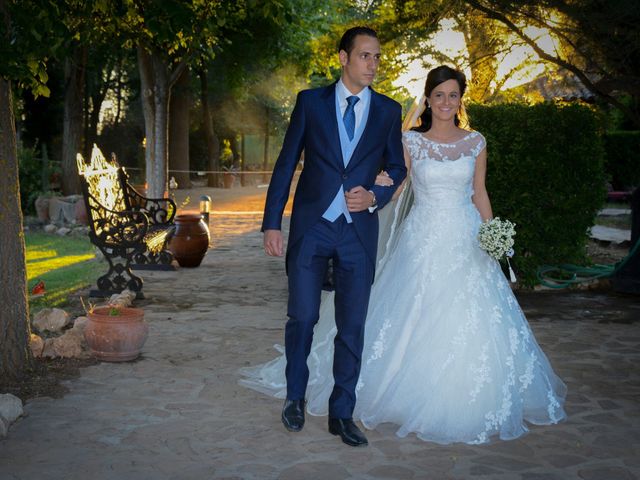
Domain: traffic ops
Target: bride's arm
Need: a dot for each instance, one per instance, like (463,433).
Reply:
(407,162)
(480,195)
(384,179)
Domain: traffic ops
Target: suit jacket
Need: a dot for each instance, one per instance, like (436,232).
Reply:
(313,129)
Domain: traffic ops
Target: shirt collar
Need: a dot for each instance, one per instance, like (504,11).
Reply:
(343,92)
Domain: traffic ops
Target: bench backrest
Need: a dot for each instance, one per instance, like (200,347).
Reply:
(102,179)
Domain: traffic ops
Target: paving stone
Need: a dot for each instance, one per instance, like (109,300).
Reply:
(606,473)
(543,476)
(307,470)
(391,472)
(563,461)
(478,470)
(504,463)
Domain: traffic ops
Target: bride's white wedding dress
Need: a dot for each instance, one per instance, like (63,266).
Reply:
(448,353)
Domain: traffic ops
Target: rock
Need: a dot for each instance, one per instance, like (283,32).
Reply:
(42,208)
(122,299)
(37,345)
(48,350)
(79,324)
(68,345)
(51,228)
(80,231)
(50,319)
(62,231)
(4,427)
(10,407)
(63,209)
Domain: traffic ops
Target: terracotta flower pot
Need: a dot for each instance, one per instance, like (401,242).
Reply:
(116,338)
(190,241)
(228,179)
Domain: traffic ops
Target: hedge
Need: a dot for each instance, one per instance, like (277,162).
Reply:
(545,173)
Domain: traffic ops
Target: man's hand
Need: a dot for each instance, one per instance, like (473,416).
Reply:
(273,244)
(358,199)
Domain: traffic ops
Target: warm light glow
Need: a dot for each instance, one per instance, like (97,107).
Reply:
(42,261)
(102,179)
(446,40)
(521,62)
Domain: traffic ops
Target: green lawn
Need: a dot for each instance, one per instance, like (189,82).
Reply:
(65,264)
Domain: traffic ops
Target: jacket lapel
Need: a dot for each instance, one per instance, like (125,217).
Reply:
(329,106)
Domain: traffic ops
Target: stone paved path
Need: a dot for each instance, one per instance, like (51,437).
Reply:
(178,412)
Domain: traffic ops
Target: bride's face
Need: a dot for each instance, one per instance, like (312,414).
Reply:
(445,100)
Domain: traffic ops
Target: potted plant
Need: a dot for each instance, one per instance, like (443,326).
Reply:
(115,333)
(230,171)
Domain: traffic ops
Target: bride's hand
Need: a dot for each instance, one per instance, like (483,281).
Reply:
(384,180)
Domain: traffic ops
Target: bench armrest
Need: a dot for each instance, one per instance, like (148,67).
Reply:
(160,211)
(119,229)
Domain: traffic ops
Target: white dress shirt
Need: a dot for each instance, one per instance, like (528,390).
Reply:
(343,92)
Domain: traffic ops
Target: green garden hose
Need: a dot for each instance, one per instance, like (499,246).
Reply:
(565,275)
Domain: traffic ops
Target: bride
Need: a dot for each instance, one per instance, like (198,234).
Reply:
(448,353)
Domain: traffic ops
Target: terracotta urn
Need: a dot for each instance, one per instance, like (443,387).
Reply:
(116,334)
(190,240)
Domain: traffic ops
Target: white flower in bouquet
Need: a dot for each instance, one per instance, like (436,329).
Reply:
(496,238)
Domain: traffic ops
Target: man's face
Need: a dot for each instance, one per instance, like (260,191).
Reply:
(360,66)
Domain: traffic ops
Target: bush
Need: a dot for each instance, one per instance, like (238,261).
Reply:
(545,173)
(34,179)
(622,165)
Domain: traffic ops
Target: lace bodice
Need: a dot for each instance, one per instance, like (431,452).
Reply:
(442,173)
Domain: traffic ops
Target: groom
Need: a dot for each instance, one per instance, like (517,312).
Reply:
(348,133)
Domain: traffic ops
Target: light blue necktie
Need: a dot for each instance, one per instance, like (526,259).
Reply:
(349,117)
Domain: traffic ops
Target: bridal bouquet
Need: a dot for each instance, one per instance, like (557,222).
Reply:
(496,238)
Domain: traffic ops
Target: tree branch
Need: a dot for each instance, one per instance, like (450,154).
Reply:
(558,61)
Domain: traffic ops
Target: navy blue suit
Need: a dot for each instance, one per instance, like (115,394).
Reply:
(313,240)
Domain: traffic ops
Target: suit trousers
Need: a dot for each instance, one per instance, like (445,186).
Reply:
(353,272)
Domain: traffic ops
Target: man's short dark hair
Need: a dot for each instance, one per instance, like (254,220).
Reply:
(349,37)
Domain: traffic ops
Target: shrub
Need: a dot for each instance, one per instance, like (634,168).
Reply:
(545,173)
(622,164)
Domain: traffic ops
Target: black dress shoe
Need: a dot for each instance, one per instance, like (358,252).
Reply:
(348,431)
(293,415)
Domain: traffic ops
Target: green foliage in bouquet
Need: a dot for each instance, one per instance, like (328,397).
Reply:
(546,174)
(622,165)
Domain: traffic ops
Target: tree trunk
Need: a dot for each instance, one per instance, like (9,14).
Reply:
(481,39)
(156,81)
(179,130)
(75,68)
(265,155)
(213,142)
(15,354)
(242,160)
(146,95)
(158,180)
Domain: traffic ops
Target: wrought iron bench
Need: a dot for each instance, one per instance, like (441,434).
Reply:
(129,229)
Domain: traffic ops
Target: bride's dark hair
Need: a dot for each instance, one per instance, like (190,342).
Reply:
(435,77)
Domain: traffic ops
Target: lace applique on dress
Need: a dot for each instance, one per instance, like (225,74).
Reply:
(420,147)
